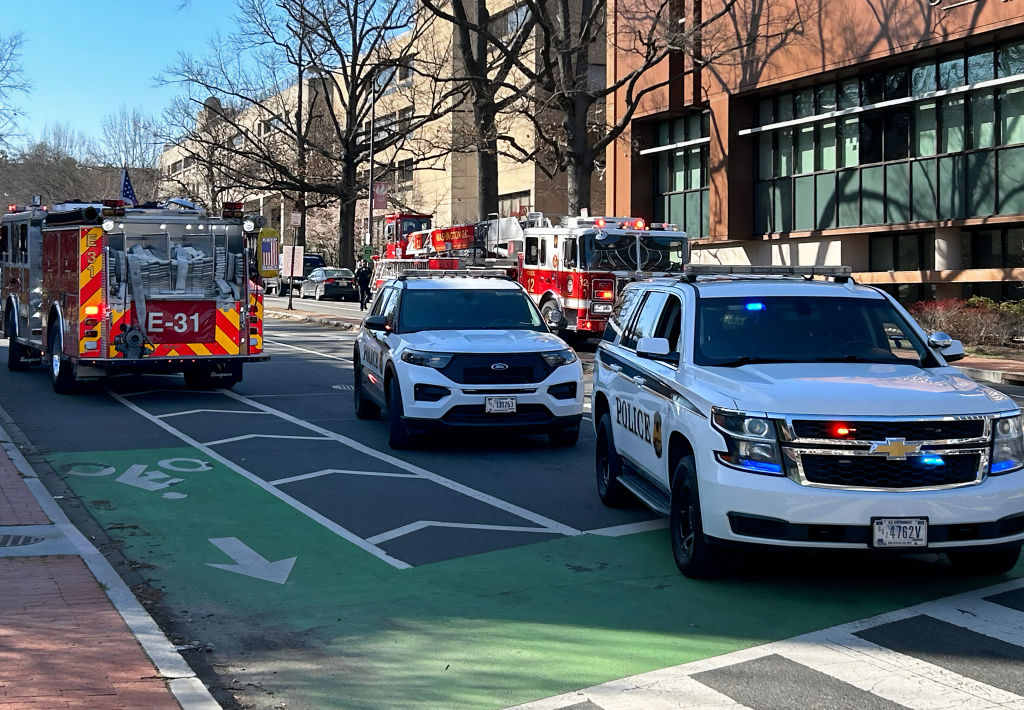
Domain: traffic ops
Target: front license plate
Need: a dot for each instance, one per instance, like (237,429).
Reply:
(899,532)
(500,405)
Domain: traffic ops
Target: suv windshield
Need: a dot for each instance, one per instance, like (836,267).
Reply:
(468,309)
(605,251)
(741,331)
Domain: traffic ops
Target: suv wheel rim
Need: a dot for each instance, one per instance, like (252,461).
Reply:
(55,364)
(685,529)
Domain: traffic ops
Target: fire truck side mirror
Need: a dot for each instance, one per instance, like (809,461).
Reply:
(556,319)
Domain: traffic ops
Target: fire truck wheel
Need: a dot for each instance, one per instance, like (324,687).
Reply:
(609,467)
(16,352)
(546,309)
(398,433)
(566,436)
(62,370)
(365,408)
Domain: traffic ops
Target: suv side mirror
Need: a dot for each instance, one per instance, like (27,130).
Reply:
(656,349)
(379,323)
(951,350)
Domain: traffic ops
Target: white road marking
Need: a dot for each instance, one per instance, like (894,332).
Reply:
(251,563)
(217,411)
(295,394)
(516,510)
(629,528)
(981,616)
(423,524)
(272,490)
(307,350)
(329,471)
(243,437)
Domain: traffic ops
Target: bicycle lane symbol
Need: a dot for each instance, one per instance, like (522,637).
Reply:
(138,476)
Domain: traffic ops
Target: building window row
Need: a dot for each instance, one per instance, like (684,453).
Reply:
(924,157)
(682,173)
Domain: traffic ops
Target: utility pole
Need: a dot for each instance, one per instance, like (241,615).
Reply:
(369,192)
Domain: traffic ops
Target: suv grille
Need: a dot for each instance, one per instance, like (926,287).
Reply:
(522,368)
(879,431)
(880,472)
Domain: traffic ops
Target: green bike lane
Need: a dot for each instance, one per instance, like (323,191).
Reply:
(345,629)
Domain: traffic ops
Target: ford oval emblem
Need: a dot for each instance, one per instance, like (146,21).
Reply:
(499,367)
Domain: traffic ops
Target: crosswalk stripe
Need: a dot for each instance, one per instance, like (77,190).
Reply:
(982,616)
(894,676)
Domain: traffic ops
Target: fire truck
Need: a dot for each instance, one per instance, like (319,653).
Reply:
(97,289)
(397,228)
(575,268)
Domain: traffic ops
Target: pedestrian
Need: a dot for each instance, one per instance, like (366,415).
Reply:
(363,274)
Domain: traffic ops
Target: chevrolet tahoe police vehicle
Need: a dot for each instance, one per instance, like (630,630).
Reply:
(761,406)
(463,349)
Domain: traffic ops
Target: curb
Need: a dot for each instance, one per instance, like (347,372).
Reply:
(340,322)
(993,376)
(182,681)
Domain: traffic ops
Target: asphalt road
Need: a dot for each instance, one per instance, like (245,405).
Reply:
(303,564)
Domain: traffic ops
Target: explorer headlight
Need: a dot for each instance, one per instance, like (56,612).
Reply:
(1007,446)
(437,361)
(752,442)
(559,358)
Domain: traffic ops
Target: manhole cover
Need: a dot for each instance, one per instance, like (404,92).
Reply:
(18,540)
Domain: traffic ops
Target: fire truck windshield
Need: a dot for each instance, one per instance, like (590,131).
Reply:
(609,251)
(415,224)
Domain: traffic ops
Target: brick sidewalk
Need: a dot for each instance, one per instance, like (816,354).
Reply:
(62,642)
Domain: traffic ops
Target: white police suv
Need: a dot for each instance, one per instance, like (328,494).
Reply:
(445,349)
(757,407)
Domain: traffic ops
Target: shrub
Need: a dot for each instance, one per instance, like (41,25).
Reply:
(976,321)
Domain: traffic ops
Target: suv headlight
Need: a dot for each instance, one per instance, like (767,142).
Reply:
(559,358)
(1007,446)
(437,361)
(752,442)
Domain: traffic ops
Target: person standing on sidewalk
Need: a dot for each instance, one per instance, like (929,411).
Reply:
(363,274)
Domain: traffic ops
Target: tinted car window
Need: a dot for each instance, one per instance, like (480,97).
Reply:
(382,299)
(469,309)
(622,312)
(647,321)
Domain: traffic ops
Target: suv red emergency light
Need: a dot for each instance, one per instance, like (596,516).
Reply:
(599,222)
(639,224)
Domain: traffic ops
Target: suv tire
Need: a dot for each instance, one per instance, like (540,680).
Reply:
(694,555)
(398,433)
(365,407)
(984,561)
(609,467)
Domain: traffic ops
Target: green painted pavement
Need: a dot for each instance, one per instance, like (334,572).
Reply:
(347,630)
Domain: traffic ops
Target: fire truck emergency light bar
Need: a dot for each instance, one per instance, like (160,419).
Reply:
(691,271)
(437,273)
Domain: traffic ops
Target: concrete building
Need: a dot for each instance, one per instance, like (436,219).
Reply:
(887,135)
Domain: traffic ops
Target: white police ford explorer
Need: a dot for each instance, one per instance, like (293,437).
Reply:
(463,350)
(768,410)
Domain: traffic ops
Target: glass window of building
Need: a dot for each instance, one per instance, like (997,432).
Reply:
(1011,111)
(926,129)
(983,126)
(1010,59)
(872,88)
(981,66)
(951,73)
(922,79)
(952,125)
(897,84)
(848,94)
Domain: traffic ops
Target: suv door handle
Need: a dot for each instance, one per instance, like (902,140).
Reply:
(615,368)
(639,380)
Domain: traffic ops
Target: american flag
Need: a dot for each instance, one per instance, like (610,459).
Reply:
(271,259)
(127,191)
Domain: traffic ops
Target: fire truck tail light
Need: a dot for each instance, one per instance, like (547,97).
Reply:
(604,290)
(92,310)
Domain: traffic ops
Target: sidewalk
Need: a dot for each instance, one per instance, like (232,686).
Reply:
(72,634)
(992,370)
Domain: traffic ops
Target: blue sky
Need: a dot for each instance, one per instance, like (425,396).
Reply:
(87,57)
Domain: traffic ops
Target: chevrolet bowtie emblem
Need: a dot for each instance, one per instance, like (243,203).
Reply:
(895,448)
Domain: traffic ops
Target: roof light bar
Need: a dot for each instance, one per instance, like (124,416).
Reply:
(702,269)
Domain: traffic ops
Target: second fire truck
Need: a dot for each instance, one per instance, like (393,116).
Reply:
(575,268)
(92,290)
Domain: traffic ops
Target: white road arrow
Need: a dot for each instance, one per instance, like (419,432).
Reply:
(251,563)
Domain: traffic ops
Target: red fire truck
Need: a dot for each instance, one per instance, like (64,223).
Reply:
(397,228)
(97,289)
(577,267)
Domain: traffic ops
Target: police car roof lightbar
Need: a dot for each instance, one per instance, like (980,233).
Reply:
(839,273)
(465,273)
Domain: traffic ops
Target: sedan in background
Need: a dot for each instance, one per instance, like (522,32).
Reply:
(328,282)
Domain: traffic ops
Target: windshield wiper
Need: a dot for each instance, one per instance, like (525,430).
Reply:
(861,358)
(751,360)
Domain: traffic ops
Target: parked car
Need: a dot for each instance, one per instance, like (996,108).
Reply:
(279,285)
(330,283)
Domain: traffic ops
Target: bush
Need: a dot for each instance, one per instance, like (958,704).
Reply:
(976,321)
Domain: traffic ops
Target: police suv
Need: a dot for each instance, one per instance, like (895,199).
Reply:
(761,406)
(464,349)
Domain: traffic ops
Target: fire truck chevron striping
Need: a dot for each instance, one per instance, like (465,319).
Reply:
(100,289)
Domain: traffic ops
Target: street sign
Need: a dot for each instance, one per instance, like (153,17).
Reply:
(366,252)
(296,219)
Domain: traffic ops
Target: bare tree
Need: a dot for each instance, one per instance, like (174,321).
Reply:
(296,86)
(59,167)
(12,84)
(129,140)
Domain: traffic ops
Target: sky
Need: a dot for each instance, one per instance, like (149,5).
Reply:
(85,58)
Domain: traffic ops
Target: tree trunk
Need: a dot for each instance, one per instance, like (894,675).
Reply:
(347,217)
(486,159)
(580,169)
